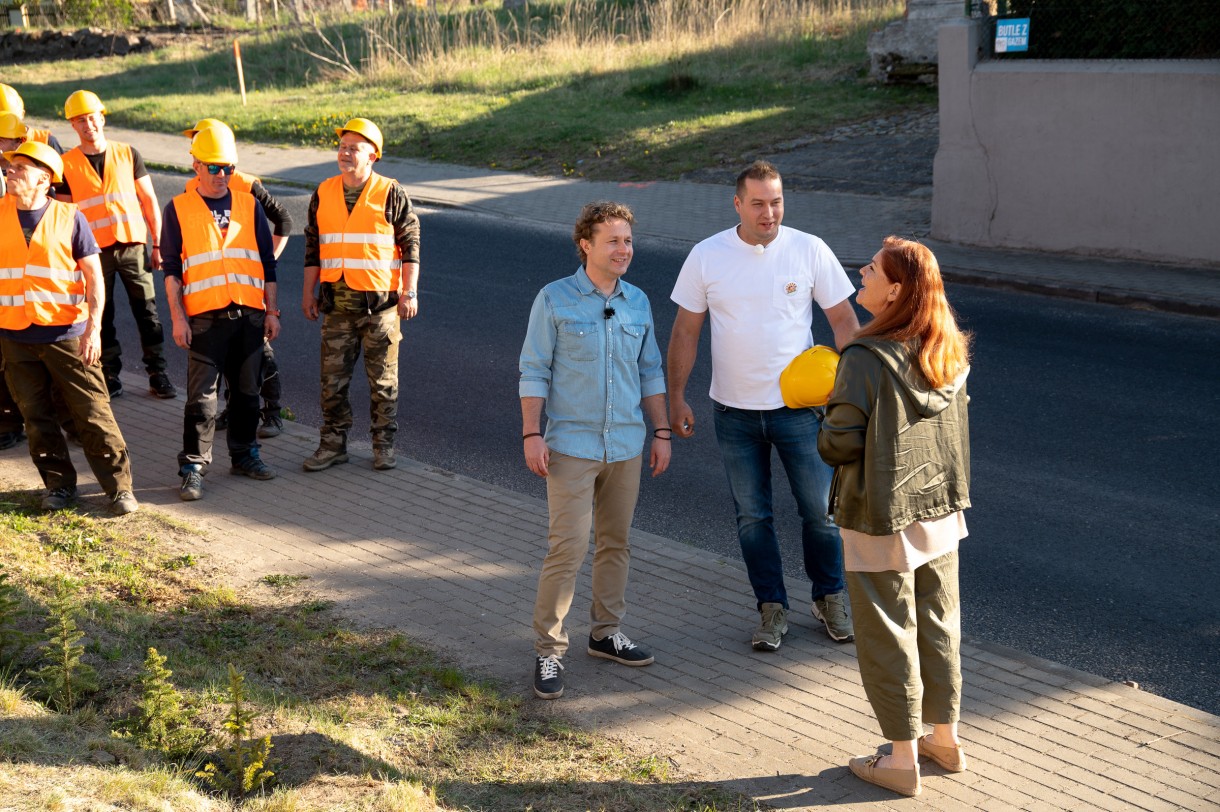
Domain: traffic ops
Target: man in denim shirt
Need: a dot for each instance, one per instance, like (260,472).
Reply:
(590,355)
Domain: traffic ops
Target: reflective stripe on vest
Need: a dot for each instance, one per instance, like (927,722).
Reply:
(44,285)
(109,203)
(219,270)
(358,247)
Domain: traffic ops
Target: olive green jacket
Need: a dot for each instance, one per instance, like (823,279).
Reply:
(901,450)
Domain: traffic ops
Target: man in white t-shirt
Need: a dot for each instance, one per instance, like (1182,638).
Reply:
(759,281)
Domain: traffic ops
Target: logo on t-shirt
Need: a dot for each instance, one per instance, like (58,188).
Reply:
(790,288)
(222,219)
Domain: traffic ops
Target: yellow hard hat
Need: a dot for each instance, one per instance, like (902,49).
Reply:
(204,124)
(11,126)
(364,128)
(81,103)
(10,101)
(810,378)
(40,153)
(214,145)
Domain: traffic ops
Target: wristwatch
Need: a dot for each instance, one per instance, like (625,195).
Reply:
(410,294)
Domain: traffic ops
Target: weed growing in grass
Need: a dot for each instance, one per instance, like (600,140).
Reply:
(283,581)
(243,768)
(65,678)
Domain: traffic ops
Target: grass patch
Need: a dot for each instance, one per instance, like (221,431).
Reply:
(357,719)
(603,89)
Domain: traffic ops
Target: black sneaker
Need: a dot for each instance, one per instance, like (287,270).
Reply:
(618,648)
(159,384)
(192,484)
(548,679)
(252,466)
(114,386)
(272,426)
(10,438)
(58,498)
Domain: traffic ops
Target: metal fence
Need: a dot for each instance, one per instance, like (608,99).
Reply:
(1100,29)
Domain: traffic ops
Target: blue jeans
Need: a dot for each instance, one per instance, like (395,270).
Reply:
(746,437)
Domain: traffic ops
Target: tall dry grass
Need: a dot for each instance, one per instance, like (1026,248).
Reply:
(422,46)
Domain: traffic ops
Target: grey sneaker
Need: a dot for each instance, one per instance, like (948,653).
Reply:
(832,610)
(774,626)
(192,484)
(252,466)
(620,649)
(58,498)
(272,426)
(123,502)
(548,679)
(324,458)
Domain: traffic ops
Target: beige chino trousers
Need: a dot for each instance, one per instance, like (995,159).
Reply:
(584,495)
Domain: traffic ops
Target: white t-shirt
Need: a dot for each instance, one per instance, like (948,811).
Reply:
(761,307)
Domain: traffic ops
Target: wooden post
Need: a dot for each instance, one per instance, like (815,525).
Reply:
(241,78)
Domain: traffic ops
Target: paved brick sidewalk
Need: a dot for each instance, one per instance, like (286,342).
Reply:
(453,562)
(852,225)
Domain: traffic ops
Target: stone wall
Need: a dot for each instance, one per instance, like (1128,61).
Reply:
(38,46)
(906,50)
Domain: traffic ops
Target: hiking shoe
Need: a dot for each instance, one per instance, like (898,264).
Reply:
(548,681)
(114,386)
(384,459)
(222,419)
(618,648)
(58,498)
(832,610)
(192,484)
(271,426)
(324,458)
(123,502)
(771,631)
(159,384)
(904,782)
(252,466)
(10,438)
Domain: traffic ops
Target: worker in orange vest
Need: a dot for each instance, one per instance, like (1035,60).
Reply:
(10,102)
(110,184)
(49,331)
(219,267)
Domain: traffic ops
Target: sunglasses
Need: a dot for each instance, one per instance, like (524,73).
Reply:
(217,169)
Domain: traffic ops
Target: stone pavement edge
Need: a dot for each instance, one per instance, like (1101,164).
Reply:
(454,565)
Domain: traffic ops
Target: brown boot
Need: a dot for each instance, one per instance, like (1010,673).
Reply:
(384,458)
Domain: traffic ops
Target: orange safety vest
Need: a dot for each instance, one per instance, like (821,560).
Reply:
(42,136)
(40,283)
(238,182)
(219,269)
(110,204)
(358,247)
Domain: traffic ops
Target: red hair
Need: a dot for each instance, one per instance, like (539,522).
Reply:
(920,316)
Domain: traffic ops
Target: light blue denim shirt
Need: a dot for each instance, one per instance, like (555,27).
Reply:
(592,370)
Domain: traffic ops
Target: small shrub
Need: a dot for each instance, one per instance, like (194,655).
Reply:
(163,724)
(242,768)
(65,678)
(11,637)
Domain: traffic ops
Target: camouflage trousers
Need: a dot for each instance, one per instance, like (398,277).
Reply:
(344,337)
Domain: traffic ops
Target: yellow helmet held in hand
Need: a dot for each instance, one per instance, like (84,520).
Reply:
(810,378)
(215,145)
(364,128)
(205,124)
(81,103)
(11,126)
(41,154)
(10,101)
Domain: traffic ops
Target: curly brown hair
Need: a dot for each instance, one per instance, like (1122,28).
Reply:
(594,213)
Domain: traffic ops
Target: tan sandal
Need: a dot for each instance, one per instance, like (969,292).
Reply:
(952,759)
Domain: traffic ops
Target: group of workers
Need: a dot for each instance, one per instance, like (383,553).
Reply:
(892,421)
(72,221)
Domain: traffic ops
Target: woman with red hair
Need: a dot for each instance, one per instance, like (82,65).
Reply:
(897,432)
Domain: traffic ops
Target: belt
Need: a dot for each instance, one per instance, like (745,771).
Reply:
(229,313)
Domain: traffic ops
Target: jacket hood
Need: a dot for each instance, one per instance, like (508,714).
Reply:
(897,359)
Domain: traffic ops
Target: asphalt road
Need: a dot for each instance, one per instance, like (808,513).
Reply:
(1093,538)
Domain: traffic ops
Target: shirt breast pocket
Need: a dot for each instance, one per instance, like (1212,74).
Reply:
(578,340)
(631,339)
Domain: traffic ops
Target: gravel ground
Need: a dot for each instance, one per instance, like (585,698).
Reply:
(889,157)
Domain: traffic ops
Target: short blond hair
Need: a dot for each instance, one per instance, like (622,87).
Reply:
(594,213)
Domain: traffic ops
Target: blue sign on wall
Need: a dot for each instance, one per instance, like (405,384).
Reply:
(1012,35)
